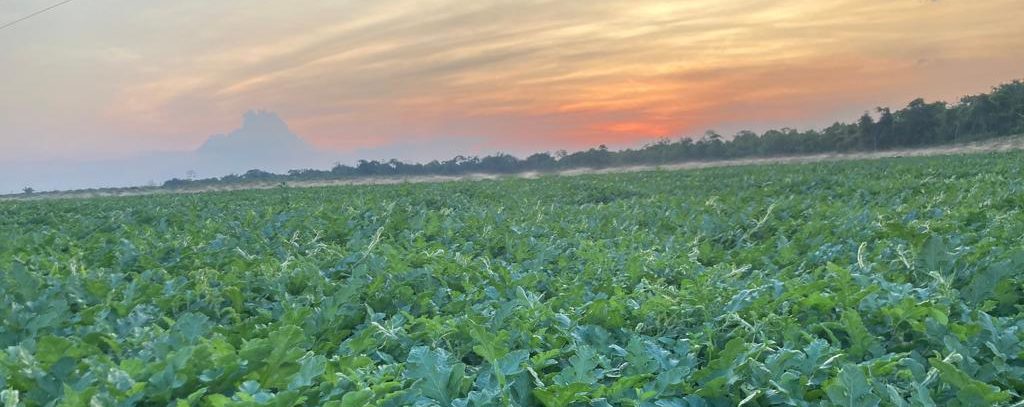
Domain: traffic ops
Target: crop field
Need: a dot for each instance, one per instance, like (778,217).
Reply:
(894,282)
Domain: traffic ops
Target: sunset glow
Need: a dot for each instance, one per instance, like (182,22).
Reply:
(115,77)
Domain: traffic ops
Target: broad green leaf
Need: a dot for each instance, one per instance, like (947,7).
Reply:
(969,390)
(852,389)
(432,371)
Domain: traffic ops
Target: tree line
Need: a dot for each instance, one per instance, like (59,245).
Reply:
(988,115)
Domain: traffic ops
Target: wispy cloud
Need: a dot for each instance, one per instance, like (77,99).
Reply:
(530,75)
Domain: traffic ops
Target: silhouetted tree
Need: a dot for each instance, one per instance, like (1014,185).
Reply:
(997,113)
(867,134)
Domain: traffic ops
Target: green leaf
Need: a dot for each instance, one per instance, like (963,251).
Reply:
(562,396)
(582,367)
(724,363)
(49,349)
(969,391)
(310,367)
(512,362)
(191,326)
(639,358)
(852,389)
(861,340)
(936,255)
(984,282)
(489,346)
(433,372)
(357,398)
(282,351)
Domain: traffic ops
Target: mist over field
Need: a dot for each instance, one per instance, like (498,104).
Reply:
(262,142)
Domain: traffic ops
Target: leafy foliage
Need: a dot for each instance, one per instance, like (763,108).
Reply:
(889,283)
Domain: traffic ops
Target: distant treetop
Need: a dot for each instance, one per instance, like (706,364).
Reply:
(995,114)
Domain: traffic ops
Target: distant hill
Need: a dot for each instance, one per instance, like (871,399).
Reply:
(263,142)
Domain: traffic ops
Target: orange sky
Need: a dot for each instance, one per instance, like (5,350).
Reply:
(106,77)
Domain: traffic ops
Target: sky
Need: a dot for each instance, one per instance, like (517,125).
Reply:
(103,79)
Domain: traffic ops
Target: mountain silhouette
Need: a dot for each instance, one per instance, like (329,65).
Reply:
(263,142)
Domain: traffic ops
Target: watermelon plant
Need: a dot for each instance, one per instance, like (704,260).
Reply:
(894,282)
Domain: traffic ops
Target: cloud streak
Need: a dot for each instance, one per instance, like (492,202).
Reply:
(523,76)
